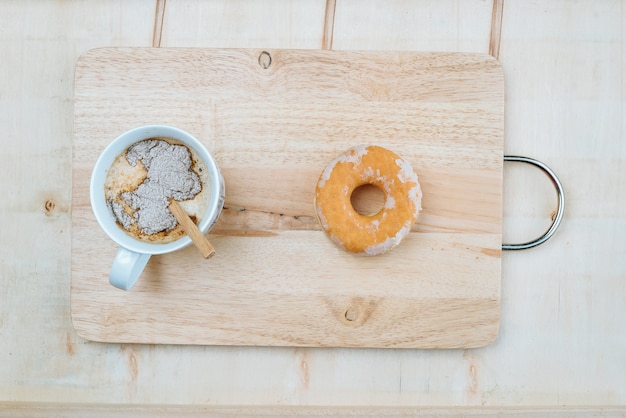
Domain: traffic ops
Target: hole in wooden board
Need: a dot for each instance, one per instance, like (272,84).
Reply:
(351,314)
(49,206)
(265,60)
(367,199)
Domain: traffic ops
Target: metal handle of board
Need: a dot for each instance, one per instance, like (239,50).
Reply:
(560,205)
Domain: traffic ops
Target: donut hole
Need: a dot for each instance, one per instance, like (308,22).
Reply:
(367,199)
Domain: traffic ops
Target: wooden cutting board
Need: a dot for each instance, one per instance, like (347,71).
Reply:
(273,120)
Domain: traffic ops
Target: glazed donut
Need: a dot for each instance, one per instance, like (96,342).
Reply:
(379,232)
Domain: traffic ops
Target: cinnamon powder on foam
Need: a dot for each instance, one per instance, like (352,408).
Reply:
(169,175)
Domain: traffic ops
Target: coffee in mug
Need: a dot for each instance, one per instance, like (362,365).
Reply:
(144,177)
(131,186)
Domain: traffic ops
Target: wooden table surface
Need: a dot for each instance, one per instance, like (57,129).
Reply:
(561,349)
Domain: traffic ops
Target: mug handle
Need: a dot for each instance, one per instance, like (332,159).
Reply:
(127,266)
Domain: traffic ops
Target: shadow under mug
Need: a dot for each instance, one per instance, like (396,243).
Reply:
(133,254)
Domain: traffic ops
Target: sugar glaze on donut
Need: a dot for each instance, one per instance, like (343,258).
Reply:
(363,233)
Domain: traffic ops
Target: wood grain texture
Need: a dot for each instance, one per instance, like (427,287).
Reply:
(35,410)
(272,131)
(244,24)
(565,106)
(415,25)
(561,343)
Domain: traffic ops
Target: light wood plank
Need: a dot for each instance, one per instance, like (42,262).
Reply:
(34,410)
(39,45)
(565,96)
(284,24)
(448,25)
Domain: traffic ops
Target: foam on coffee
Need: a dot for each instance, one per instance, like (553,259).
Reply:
(141,180)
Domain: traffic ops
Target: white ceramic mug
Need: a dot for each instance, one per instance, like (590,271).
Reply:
(133,254)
